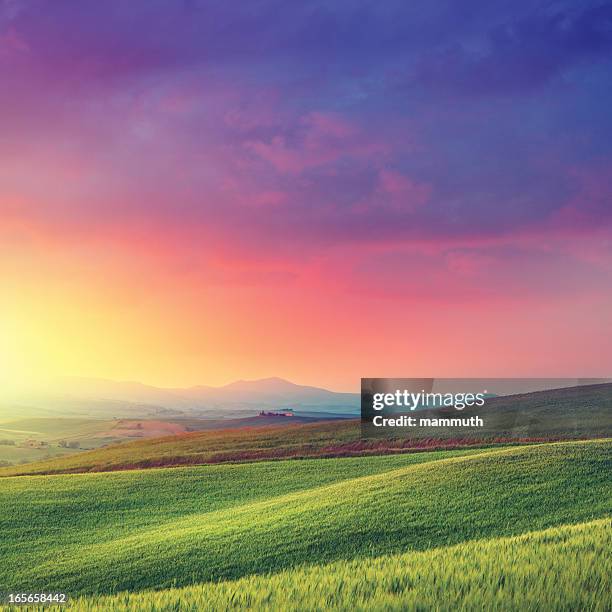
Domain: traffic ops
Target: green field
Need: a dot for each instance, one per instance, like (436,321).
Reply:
(501,573)
(104,533)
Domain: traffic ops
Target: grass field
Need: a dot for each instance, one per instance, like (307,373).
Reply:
(496,574)
(97,534)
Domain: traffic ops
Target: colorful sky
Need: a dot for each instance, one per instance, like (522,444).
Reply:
(200,191)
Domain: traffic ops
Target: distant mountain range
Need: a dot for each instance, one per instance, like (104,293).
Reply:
(106,398)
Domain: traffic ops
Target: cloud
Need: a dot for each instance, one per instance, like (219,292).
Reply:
(401,192)
(316,139)
(272,128)
(522,55)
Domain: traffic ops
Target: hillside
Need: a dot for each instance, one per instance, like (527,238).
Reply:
(101,533)
(570,413)
(35,439)
(500,573)
(289,441)
(206,447)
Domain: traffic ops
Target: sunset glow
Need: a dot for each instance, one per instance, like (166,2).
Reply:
(196,193)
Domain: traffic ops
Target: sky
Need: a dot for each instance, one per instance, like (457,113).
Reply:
(193,192)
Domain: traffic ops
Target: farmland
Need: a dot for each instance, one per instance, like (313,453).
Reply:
(500,573)
(28,440)
(105,533)
(204,447)
(323,439)
(570,413)
(35,440)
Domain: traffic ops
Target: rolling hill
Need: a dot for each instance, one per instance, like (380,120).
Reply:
(499,573)
(214,446)
(103,533)
(582,411)
(569,413)
(289,441)
(466,523)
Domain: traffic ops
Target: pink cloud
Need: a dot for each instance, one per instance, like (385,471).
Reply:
(328,124)
(321,139)
(401,191)
(283,158)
